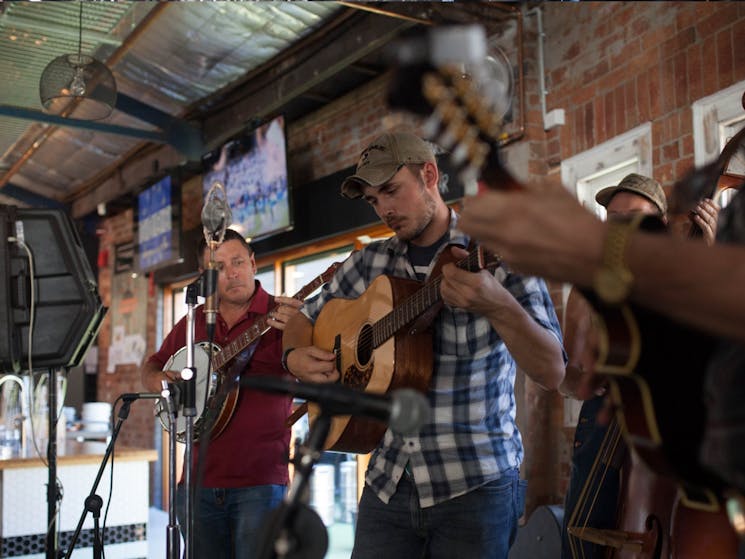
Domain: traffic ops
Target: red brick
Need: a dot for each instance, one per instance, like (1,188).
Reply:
(685,16)
(600,134)
(686,145)
(718,16)
(583,95)
(655,37)
(609,105)
(632,108)
(597,71)
(694,72)
(579,126)
(680,80)
(664,173)
(738,59)
(725,57)
(679,42)
(682,167)
(642,96)
(667,86)
(670,152)
(620,109)
(655,88)
(589,130)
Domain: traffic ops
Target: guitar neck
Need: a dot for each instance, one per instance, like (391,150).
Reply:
(424,298)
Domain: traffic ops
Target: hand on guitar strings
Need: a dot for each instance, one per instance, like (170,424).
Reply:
(705,215)
(477,292)
(313,364)
(286,308)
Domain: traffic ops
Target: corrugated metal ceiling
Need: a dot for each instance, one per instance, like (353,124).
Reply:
(166,55)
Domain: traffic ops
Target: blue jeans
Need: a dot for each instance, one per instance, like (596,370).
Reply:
(227,521)
(478,525)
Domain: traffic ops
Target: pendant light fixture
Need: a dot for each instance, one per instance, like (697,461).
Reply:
(81,79)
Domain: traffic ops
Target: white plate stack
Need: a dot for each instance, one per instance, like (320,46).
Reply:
(96,416)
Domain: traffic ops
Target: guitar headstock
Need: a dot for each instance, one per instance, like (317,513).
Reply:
(449,78)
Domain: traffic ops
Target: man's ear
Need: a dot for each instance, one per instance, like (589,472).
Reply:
(430,174)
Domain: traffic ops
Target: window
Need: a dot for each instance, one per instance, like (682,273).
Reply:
(300,272)
(607,163)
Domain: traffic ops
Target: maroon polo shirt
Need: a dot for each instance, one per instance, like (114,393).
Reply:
(253,448)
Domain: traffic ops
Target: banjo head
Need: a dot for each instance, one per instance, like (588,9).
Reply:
(206,387)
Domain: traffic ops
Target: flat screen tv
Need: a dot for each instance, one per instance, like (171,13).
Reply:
(158,225)
(253,170)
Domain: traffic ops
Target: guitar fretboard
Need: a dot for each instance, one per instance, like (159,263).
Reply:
(424,298)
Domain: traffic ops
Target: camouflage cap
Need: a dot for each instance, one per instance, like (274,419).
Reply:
(638,184)
(383,158)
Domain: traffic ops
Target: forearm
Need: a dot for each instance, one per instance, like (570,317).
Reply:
(699,285)
(535,350)
(151,376)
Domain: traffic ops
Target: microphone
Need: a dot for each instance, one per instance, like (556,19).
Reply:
(405,410)
(216,216)
(132,396)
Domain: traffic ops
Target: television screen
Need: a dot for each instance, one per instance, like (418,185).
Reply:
(158,225)
(253,171)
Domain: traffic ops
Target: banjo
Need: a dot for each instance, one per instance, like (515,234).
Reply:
(216,390)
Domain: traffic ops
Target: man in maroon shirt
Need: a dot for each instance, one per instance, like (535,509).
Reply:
(246,472)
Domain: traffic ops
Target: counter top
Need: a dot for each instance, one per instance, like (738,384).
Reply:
(82,453)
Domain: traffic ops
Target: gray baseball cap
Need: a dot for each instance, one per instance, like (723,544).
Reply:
(383,158)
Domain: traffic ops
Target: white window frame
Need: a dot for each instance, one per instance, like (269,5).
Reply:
(711,115)
(633,145)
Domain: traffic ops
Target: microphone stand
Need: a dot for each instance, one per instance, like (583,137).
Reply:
(173,538)
(93,502)
(294,530)
(53,495)
(188,397)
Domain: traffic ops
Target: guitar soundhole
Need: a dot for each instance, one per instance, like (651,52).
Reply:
(364,345)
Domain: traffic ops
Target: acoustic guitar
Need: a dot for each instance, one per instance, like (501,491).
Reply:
(382,342)
(655,365)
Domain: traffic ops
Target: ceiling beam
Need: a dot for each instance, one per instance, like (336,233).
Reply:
(29,198)
(40,116)
(267,93)
(183,135)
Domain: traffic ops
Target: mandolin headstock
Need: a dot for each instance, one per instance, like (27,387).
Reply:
(446,76)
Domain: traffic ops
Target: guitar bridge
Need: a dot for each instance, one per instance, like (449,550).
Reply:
(337,351)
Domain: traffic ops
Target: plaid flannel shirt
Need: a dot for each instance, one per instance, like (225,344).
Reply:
(472,436)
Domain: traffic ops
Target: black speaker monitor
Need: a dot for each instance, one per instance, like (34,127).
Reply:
(68,309)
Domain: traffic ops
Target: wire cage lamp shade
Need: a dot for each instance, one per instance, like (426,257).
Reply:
(81,78)
(78,82)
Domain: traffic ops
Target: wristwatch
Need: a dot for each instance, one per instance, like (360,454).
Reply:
(612,282)
(285,354)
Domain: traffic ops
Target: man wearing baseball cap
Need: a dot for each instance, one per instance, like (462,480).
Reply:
(453,489)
